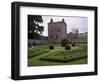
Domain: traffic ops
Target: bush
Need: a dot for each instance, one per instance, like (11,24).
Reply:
(51,47)
(73,44)
(67,47)
(34,44)
(64,42)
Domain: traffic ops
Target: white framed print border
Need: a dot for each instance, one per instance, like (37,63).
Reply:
(19,15)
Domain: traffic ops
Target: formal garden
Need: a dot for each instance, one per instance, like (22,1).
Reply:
(52,49)
(57,54)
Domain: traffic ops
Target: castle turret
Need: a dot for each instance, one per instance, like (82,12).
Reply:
(63,20)
(51,20)
(77,32)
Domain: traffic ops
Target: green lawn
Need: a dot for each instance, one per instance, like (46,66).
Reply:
(36,54)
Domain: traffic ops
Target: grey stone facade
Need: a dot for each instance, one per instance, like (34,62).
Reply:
(58,31)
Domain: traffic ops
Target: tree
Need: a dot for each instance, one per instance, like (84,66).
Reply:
(34,28)
(64,42)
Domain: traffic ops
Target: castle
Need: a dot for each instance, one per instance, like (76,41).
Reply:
(58,31)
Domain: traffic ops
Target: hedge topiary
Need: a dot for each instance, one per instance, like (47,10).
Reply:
(67,47)
(73,44)
(51,47)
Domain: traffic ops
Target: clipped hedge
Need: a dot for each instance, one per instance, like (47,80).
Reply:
(66,56)
(51,47)
(67,47)
(73,44)
(36,53)
(37,50)
(61,59)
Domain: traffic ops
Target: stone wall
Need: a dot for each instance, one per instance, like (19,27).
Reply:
(56,31)
(32,41)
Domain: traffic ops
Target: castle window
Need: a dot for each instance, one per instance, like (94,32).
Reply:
(59,30)
(51,36)
(56,36)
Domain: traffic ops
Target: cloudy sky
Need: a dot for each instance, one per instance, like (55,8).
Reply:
(72,22)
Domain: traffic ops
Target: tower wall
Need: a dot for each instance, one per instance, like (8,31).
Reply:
(57,31)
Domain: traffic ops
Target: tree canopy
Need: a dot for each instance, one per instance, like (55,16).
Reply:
(34,28)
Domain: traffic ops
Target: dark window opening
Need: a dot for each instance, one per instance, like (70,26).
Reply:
(51,36)
(56,36)
(59,30)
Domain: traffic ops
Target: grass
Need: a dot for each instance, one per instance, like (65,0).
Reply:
(79,61)
(37,53)
(37,50)
(66,56)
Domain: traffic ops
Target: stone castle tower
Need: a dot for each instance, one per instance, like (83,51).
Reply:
(57,31)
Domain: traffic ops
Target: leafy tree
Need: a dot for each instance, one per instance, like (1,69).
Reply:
(64,42)
(34,28)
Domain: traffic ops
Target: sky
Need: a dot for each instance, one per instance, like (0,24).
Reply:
(72,22)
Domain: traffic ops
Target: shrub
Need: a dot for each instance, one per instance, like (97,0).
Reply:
(51,47)
(73,44)
(64,42)
(34,44)
(67,47)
